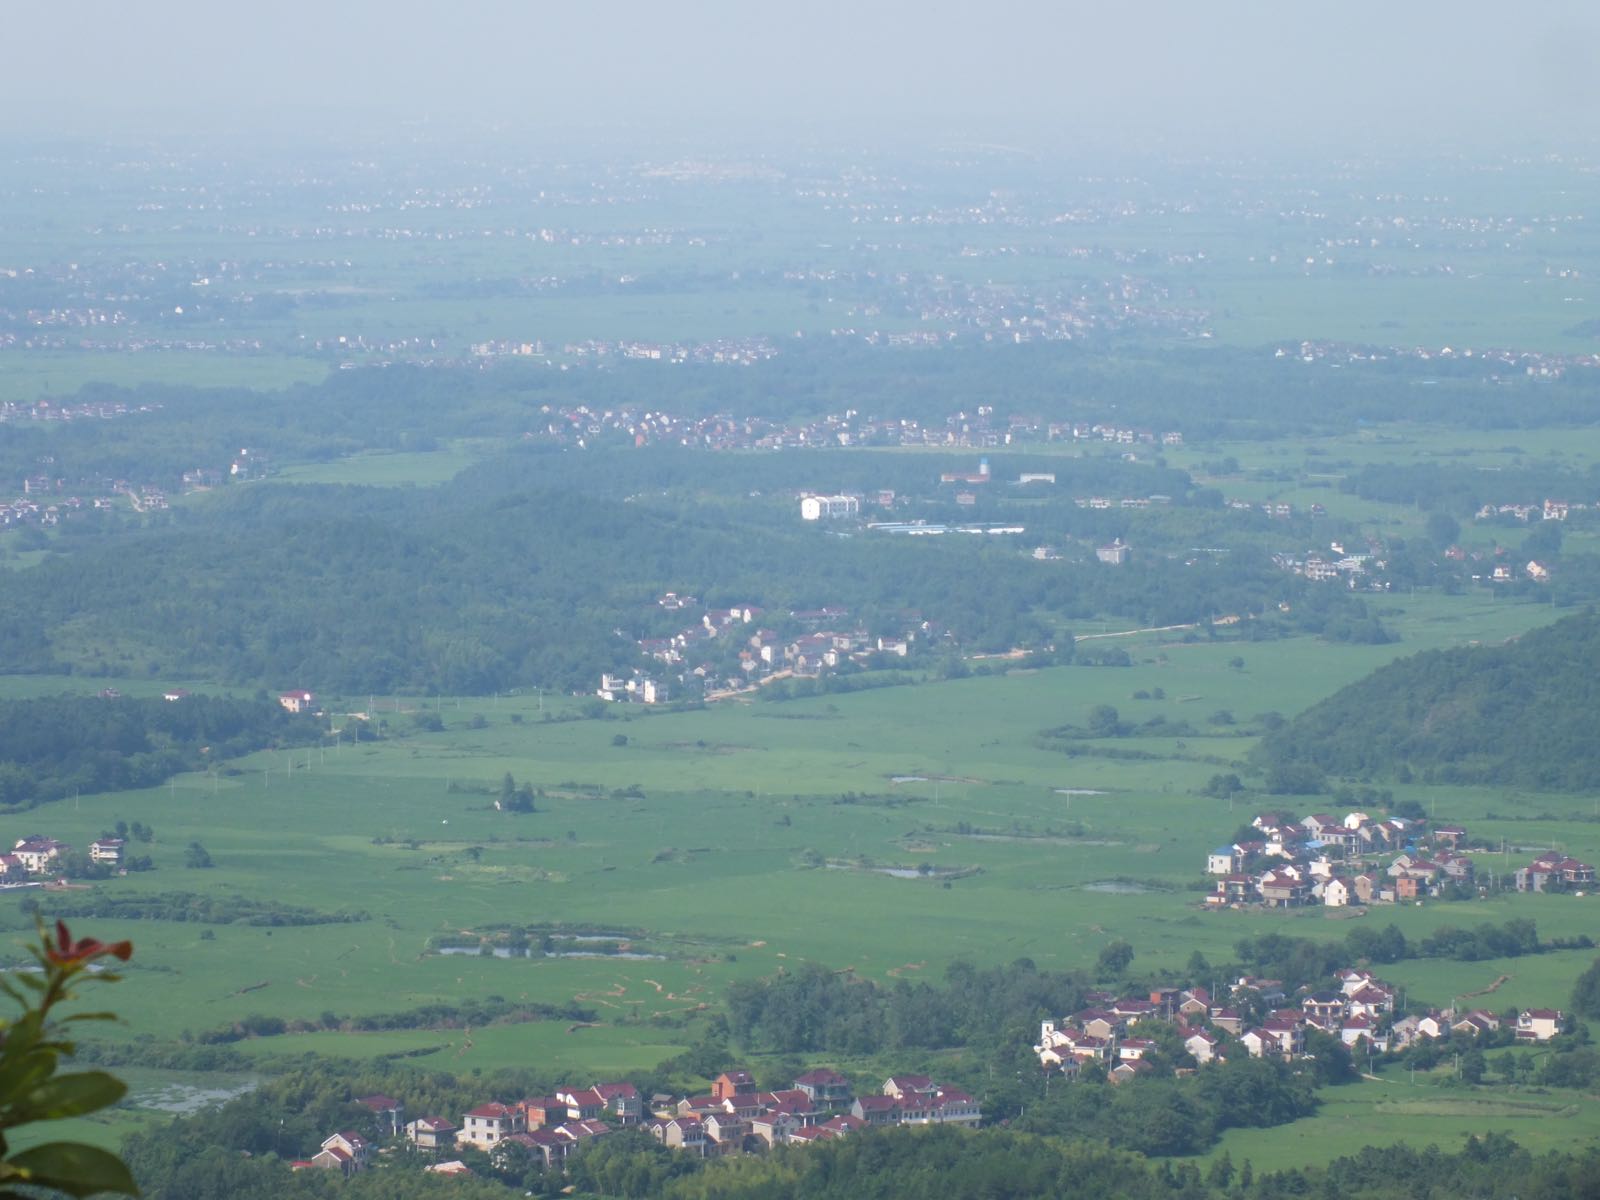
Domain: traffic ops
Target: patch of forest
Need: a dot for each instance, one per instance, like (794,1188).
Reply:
(1521,714)
(55,746)
(463,592)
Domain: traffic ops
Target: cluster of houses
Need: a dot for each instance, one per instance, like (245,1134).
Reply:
(1331,861)
(1550,510)
(736,1116)
(70,410)
(740,351)
(1338,562)
(733,1117)
(1353,566)
(1103,503)
(31,508)
(1278,510)
(47,500)
(1534,364)
(1338,861)
(35,858)
(547,1127)
(977,429)
(1553,871)
(1319,568)
(1111,1037)
(691,657)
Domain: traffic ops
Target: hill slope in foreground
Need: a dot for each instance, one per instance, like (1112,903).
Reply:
(1520,714)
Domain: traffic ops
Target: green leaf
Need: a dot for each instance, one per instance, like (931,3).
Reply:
(19,1078)
(75,1168)
(70,1096)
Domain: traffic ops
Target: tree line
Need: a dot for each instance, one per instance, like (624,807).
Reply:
(55,746)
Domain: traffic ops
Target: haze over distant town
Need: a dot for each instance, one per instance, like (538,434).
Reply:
(1232,76)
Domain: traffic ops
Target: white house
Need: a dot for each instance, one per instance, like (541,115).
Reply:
(488,1123)
(38,853)
(106,850)
(1540,1024)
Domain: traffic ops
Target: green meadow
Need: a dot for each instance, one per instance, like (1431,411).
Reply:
(888,832)
(1428,1110)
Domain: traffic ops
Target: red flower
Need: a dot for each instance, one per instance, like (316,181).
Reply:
(67,951)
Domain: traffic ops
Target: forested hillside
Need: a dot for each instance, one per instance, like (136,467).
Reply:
(474,587)
(1519,714)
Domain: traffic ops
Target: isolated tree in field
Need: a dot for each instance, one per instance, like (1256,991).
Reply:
(1443,529)
(1114,959)
(1104,721)
(1586,994)
(197,856)
(514,798)
(1223,786)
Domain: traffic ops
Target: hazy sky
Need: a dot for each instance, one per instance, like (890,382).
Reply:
(1211,73)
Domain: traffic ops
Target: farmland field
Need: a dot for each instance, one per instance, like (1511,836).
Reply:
(1423,1112)
(743,839)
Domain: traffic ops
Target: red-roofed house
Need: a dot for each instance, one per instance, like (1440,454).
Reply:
(38,854)
(346,1152)
(952,1106)
(539,1112)
(812,1133)
(107,850)
(699,1106)
(679,1133)
(583,1106)
(732,1082)
(1540,1024)
(875,1110)
(1475,1022)
(298,700)
(825,1088)
(546,1145)
(332,1158)
(743,1105)
(431,1133)
(387,1111)
(622,1102)
(1202,1046)
(725,1132)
